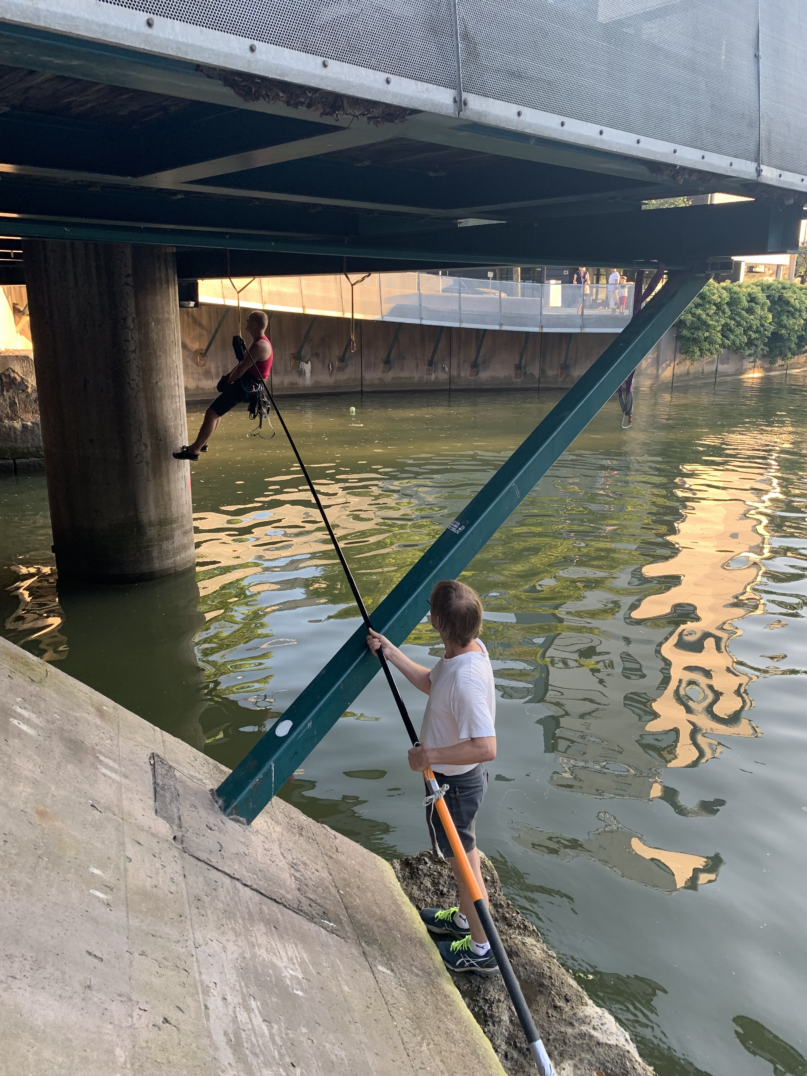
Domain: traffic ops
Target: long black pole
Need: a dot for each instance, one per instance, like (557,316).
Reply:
(508,975)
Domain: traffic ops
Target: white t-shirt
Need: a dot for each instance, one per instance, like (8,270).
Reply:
(613,280)
(462,704)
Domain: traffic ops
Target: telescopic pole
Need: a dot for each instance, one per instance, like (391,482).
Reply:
(539,1053)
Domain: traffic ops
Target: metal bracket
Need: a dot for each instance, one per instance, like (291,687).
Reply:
(385,365)
(270,763)
(298,355)
(430,363)
(473,369)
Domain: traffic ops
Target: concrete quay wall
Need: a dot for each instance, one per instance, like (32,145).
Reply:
(143,933)
(550,360)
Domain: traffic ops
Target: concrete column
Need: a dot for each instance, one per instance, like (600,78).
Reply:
(105,330)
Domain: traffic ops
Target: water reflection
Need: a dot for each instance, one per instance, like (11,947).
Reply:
(721,544)
(625,852)
(135,643)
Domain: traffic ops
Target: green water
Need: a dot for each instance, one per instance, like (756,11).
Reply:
(645,618)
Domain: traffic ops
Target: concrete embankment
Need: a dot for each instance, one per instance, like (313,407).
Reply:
(145,933)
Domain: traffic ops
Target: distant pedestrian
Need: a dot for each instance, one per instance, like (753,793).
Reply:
(623,294)
(613,282)
(581,278)
(457,738)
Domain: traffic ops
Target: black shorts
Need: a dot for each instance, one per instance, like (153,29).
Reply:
(235,393)
(463,799)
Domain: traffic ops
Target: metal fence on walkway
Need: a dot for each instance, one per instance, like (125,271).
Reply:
(426,299)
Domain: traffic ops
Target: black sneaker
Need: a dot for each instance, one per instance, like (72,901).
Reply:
(185,454)
(460,956)
(441,921)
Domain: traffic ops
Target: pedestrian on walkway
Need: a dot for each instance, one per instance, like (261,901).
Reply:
(613,281)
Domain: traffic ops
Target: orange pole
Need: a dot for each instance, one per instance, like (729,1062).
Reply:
(460,854)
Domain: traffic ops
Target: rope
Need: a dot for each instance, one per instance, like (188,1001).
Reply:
(435,796)
(410,728)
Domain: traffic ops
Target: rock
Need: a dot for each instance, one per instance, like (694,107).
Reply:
(581,1038)
(20,433)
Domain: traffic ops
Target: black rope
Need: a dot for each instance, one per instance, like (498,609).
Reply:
(410,728)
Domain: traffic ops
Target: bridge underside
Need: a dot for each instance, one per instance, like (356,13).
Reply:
(250,175)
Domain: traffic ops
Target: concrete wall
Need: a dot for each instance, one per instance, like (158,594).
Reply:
(665,361)
(549,359)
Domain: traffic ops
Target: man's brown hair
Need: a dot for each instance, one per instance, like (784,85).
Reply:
(458,611)
(261,317)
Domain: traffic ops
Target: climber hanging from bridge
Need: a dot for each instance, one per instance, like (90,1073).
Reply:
(243,384)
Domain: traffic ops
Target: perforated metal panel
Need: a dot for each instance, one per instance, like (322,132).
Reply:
(410,38)
(783,73)
(683,72)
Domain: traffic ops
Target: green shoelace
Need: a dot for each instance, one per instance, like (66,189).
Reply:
(447,913)
(461,944)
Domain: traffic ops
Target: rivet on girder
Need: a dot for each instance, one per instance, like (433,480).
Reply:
(324,63)
(150,23)
(253,48)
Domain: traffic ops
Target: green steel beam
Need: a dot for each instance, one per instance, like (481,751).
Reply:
(277,755)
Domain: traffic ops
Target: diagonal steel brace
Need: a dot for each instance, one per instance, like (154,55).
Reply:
(277,755)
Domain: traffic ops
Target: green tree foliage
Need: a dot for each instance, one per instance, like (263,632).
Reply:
(748,320)
(769,318)
(788,306)
(700,326)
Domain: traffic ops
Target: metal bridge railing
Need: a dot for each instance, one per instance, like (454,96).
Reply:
(426,299)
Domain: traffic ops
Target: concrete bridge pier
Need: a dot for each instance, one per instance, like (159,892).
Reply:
(105,330)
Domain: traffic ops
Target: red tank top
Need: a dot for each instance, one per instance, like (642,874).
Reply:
(265,365)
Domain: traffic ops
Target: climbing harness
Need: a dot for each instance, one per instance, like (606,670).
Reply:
(436,797)
(353,284)
(259,405)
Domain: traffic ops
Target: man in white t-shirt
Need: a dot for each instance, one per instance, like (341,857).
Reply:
(457,738)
